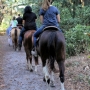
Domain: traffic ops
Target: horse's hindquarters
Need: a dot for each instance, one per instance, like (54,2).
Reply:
(52,47)
(15,32)
(28,46)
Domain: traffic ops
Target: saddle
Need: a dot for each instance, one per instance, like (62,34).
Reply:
(51,28)
(14,27)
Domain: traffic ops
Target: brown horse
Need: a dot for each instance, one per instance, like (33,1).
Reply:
(51,48)
(28,46)
(15,32)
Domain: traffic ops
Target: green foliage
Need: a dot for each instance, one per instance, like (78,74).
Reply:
(5,23)
(73,26)
(77,41)
(83,15)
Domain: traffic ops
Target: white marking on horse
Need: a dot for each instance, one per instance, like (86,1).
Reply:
(46,72)
(52,80)
(33,63)
(62,86)
(47,75)
(29,65)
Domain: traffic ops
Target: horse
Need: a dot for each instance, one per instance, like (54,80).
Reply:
(15,32)
(20,26)
(51,47)
(28,46)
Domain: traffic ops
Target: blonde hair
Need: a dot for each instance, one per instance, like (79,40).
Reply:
(46,4)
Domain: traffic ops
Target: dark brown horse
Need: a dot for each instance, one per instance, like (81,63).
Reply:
(28,46)
(51,48)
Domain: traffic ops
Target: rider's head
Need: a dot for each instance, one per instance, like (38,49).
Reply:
(27,9)
(14,18)
(18,15)
(46,4)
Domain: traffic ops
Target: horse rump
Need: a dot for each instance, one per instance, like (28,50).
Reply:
(15,32)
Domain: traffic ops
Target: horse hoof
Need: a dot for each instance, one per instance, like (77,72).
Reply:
(44,79)
(31,70)
(52,84)
(19,48)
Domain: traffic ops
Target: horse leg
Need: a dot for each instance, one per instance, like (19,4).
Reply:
(46,72)
(15,46)
(30,62)
(31,69)
(27,61)
(13,43)
(29,65)
(62,70)
(52,79)
(52,67)
(36,62)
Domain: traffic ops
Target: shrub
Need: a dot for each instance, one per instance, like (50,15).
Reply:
(77,40)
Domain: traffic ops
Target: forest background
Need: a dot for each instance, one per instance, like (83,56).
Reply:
(75,20)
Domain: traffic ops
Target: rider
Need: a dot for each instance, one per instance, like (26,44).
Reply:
(19,19)
(14,22)
(49,16)
(29,23)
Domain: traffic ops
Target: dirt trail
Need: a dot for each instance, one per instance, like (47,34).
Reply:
(14,74)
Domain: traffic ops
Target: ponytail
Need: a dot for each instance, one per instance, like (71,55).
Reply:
(46,4)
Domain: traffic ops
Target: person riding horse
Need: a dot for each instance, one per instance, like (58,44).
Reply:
(12,25)
(51,44)
(29,23)
(14,22)
(19,19)
(14,33)
(49,16)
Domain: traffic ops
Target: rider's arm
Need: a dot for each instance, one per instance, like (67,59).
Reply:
(41,19)
(58,18)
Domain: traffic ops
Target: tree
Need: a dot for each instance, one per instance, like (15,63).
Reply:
(2,6)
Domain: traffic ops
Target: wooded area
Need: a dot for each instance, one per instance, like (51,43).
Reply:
(75,20)
(11,7)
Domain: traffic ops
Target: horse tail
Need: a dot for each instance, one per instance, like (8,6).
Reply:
(15,35)
(51,49)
